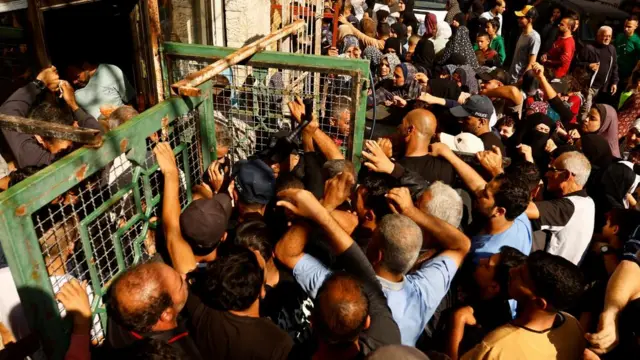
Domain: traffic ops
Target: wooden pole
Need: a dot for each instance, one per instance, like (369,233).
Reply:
(187,86)
(48,129)
(335,23)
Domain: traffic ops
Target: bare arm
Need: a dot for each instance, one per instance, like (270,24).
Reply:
(469,176)
(364,38)
(532,60)
(532,211)
(182,256)
(508,92)
(324,142)
(290,249)
(461,318)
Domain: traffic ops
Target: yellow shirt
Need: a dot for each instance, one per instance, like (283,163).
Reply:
(510,342)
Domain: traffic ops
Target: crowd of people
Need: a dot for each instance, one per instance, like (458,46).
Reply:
(498,220)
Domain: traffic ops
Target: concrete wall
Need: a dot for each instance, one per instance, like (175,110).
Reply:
(246,19)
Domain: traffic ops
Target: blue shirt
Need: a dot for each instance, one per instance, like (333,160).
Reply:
(412,301)
(518,236)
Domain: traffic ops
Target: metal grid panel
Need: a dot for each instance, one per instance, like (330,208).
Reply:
(252,102)
(100,227)
(305,41)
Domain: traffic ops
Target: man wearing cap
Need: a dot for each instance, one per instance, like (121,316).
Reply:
(475,116)
(528,44)
(254,187)
(193,236)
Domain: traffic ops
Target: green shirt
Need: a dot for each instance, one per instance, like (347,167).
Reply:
(628,51)
(497,44)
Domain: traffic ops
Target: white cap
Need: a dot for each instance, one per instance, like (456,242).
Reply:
(463,142)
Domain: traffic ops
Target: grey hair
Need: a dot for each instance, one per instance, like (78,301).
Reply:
(401,242)
(223,137)
(445,204)
(334,167)
(578,164)
(605,28)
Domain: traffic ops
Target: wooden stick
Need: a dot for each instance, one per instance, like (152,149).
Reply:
(49,129)
(336,23)
(187,86)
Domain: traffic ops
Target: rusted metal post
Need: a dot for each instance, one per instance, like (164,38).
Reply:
(85,136)
(155,38)
(187,86)
(336,17)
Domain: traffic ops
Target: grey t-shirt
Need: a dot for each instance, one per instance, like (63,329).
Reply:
(108,86)
(527,45)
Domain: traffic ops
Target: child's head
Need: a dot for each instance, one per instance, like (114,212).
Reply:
(413,42)
(483,40)
(619,226)
(491,275)
(492,26)
(505,127)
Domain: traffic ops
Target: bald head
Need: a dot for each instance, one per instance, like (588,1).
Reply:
(423,121)
(139,296)
(341,309)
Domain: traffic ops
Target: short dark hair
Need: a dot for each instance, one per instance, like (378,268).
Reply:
(340,309)
(332,168)
(556,279)
(632,18)
(233,281)
(509,259)
(483,34)
(254,235)
(138,279)
(626,219)
(572,21)
(377,185)
(381,15)
(526,171)
(384,29)
(121,115)
(46,111)
(513,195)
(505,121)
(495,23)
(148,349)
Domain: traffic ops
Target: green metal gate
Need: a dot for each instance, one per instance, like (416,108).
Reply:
(92,214)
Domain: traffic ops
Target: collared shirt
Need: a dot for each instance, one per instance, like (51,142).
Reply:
(517,236)
(412,301)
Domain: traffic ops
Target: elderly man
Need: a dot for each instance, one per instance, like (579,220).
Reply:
(601,59)
(568,220)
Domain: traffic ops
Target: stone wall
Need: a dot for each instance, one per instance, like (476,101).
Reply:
(246,19)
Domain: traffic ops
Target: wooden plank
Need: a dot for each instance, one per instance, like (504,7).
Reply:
(186,86)
(53,130)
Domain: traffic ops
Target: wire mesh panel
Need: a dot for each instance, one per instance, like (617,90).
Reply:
(252,102)
(305,41)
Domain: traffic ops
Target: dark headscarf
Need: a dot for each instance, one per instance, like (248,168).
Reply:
(393,43)
(537,140)
(411,88)
(597,150)
(400,30)
(461,19)
(467,77)
(454,9)
(609,127)
(460,44)
(617,181)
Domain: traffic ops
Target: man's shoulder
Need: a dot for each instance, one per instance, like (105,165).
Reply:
(503,335)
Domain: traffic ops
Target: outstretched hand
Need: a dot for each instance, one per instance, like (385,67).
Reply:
(165,157)
(301,203)
(491,160)
(73,296)
(376,159)
(337,190)
(400,200)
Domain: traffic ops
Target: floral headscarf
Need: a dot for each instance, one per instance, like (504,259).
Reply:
(393,61)
(347,42)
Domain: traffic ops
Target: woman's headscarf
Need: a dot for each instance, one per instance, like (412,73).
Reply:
(393,43)
(609,127)
(431,25)
(596,148)
(442,36)
(347,42)
(467,75)
(461,19)
(528,134)
(618,181)
(401,32)
(453,9)
(374,55)
(344,31)
(393,61)
(411,88)
(460,44)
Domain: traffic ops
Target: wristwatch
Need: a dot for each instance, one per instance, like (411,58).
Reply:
(39,84)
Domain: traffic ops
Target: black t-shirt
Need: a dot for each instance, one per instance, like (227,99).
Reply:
(490,139)
(430,168)
(223,335)
(289,307)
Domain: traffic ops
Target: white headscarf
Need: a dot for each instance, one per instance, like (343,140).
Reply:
(442,36)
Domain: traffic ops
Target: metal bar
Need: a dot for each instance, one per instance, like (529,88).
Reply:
(275,59)
(87,248)
(335,22)
(155,36)
(359,98)
(208,125)
(51,129)
(186,87)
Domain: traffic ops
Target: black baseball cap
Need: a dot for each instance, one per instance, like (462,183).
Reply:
(254,181)
(204,222)
(477,105)
(496,74)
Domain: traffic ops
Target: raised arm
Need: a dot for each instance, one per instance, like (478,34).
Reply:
(182,256)
(327,146)
(469,176)
(508,92)
(364,38)
(455,244)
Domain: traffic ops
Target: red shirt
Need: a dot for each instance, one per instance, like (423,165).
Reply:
(560,56)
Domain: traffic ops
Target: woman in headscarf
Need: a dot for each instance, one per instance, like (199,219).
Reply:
(430,25)
(374,56)
(535,131)
(617,183)
(404,82)
(408,16)
(453,9)
(441,39)
(424,54)
(388,64)
(460,43)
(400,31)
(350,47)
(393,46)
(465,76)
(596,148)
(603,120)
